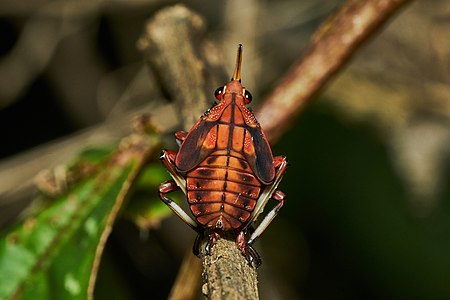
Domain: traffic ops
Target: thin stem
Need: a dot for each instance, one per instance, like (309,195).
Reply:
(188,279)
(331,47)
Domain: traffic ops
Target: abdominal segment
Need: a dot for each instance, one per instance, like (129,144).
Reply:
(222,191)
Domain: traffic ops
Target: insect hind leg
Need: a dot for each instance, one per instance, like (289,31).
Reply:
(213,237)
(270,192)
(247,249)
(198,243)
(278,196)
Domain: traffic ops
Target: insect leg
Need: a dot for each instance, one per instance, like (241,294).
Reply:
(279,196)
(178,182)
(180,136)
(170,186)
(247,250)
(213,237)
(281,165)
(197,243)
(168,159)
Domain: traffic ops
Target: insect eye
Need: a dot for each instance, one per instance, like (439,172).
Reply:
(248,97)
(218,93)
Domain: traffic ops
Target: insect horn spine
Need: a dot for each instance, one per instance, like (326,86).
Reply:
(237,69)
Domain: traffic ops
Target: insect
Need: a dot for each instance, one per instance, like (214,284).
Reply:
(226,168)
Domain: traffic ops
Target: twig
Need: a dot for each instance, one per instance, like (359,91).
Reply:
(330,49)
(188,279)
(227,274)
(168,43)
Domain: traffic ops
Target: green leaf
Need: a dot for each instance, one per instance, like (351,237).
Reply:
(55,254)
(145,209)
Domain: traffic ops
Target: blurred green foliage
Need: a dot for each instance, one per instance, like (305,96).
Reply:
(53,253)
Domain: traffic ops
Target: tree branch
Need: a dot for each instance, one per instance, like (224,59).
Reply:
(331,47)
(170,43)
(226,273)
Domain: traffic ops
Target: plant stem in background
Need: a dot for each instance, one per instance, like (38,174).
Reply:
(331,47)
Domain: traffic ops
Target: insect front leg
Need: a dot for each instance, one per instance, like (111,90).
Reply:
(177,183)
(180,136)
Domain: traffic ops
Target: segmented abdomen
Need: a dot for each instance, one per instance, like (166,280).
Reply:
(222,190)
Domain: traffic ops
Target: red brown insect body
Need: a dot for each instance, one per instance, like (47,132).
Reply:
(222,188)
(226,168)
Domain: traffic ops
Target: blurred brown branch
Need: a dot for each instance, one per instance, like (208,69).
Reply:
(169,45)
(331,47)
(42,32)
(188,279)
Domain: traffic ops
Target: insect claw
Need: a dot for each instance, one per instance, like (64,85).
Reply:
(197,244)
(212,239)
(208,248)
(253,257)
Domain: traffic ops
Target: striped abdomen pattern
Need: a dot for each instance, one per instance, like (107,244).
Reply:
(222,190)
